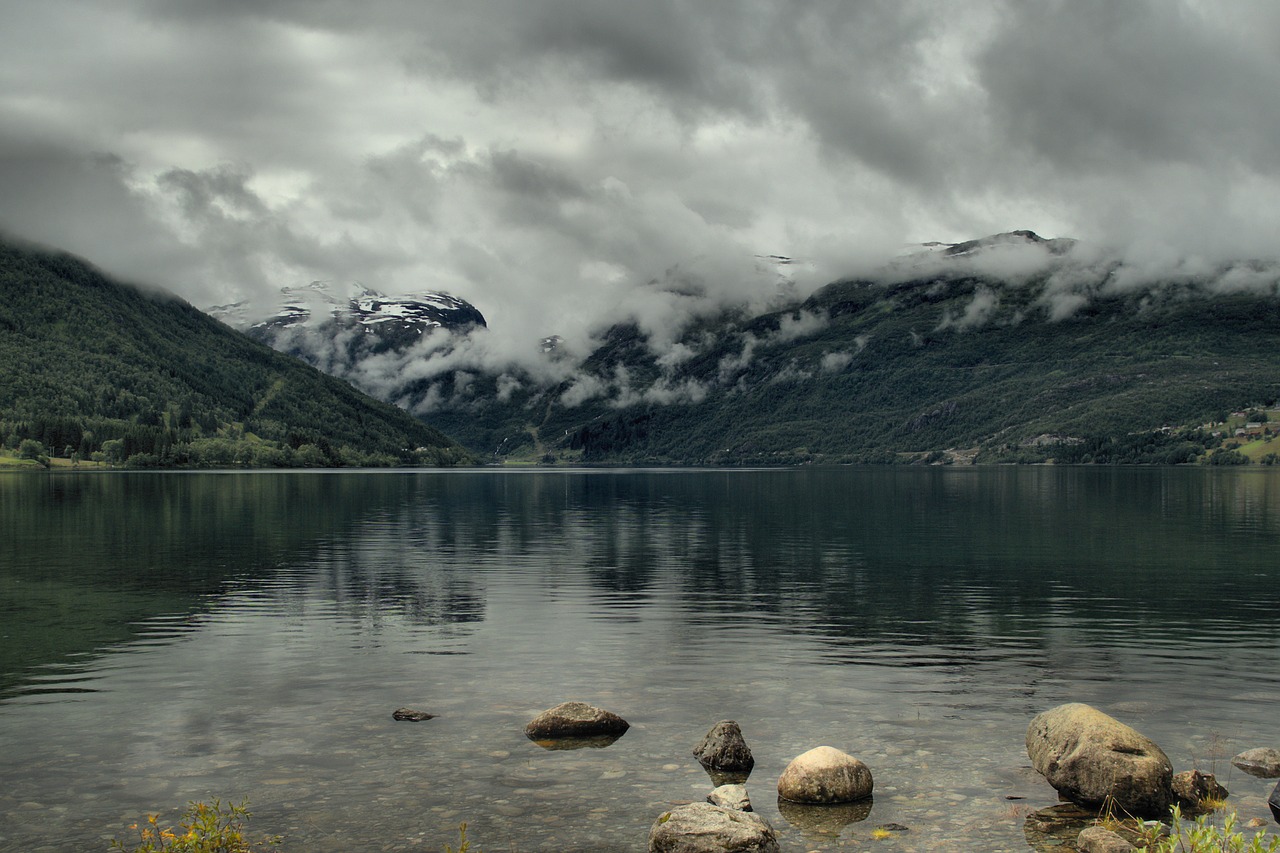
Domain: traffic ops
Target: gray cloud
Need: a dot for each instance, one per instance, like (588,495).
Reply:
(565,164)
(1122,84)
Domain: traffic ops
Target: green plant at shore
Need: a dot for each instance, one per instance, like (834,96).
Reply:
(464,846)
(1200,836)
(204,828)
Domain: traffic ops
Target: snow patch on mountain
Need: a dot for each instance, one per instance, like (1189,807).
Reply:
(319,303)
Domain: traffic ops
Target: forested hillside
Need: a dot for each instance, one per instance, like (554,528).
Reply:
(94,369)
(1069,363)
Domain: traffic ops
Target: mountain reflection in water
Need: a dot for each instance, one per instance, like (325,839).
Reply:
(915,617)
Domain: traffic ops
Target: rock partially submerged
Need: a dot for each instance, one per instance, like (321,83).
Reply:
(725,749)
(1195,790)
(575,720)
(1096,839)
(1088,756)
(410,715)
(1262,762)
(731,797)
(704,828)
(825,775)
(1057,826)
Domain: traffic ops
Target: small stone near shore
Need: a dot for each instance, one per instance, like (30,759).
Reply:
(704,828)
(1095,839)
(724,748)
(1192,788)
(825,775)
(1088,757)
(731,797)
(575,720)
(410,715)
(1262,762)
(893,827)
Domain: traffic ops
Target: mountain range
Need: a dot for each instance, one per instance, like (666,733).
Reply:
(1012,347)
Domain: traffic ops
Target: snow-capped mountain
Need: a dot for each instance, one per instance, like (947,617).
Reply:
(336,328)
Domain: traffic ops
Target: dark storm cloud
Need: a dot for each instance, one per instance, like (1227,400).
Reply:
(1096,85)
(1157,123)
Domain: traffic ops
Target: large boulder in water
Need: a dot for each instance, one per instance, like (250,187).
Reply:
(724,748)
(1088,756)
(825,775)
(575,720)
(704,828)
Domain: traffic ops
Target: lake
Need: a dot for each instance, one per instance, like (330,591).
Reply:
(168,637)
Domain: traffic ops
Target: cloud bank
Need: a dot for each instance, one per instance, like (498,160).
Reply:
(567,164)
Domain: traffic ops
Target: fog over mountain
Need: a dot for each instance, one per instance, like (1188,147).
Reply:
(565,165)
(431,353)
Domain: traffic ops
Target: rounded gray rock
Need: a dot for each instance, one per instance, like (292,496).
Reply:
(704,828)
(575,720)
(1088,756)
(724,748)
(1262,762)
(731,797)
(825,775)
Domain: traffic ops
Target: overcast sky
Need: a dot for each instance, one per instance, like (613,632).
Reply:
(545,159)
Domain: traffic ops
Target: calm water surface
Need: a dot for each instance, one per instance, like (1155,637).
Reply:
(176,637)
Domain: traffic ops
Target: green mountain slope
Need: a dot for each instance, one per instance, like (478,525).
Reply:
(948,365)
(91,366)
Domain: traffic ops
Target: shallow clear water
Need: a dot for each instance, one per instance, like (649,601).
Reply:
(176,637)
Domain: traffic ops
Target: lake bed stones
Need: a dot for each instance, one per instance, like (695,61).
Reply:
(825,775)
(1262,762)
(704,828)
(725,749)
(575,720)
(1088,756)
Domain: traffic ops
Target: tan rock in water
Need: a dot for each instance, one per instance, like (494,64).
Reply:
(825,775)
(1088,756)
